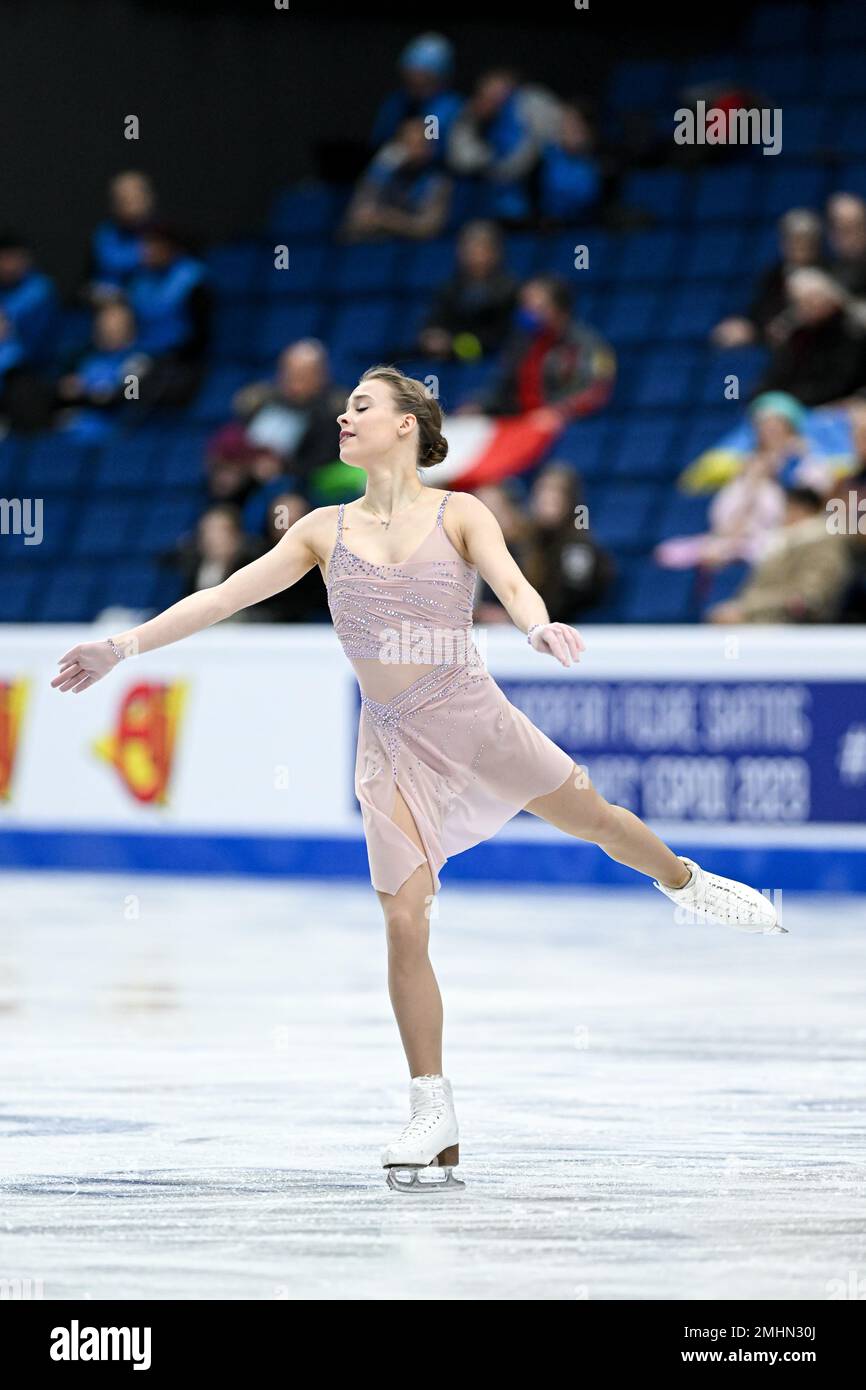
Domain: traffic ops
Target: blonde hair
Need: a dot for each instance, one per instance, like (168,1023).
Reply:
(411,396)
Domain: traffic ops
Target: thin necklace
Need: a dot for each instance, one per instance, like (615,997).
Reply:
(387,523)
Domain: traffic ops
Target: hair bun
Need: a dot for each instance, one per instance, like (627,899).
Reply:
(436,451)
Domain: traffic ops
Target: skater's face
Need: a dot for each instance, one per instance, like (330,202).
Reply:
(371,425)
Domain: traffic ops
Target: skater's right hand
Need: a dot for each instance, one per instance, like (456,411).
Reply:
(559,640)
(83,665)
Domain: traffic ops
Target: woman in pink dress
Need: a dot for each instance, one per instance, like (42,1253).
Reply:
(443,758)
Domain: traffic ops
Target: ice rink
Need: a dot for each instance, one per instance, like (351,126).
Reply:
(198,1076)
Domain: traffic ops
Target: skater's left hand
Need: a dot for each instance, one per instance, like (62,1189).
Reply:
(559,640)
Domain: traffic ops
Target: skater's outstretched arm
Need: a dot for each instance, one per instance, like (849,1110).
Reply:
(287,562)
(485,546)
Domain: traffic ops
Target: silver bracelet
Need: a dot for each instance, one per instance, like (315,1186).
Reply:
(531,630)
(114,647)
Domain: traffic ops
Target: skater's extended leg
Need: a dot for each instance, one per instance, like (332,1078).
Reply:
(578,809)
(412,985)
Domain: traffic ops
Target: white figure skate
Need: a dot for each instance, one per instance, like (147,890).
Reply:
(710,898)
(422,1158)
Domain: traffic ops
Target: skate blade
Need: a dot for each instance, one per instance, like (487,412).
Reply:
(413,1178)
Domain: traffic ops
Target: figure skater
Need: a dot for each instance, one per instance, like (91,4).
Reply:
(443,758)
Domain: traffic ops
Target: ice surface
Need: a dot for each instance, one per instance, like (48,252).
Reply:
(198,1076)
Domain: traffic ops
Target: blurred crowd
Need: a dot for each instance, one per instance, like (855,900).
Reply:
(542,164)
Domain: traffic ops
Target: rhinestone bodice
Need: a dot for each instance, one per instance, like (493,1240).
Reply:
(418,612)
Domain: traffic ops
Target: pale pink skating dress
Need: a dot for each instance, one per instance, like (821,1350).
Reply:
(433,723)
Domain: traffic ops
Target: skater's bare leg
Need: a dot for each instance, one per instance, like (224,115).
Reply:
(412,985)
(578,809)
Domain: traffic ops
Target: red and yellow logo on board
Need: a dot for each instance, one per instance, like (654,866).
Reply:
(142,746)
(13,695)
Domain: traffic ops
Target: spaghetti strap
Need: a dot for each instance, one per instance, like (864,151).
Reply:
(340,522)
(441,509)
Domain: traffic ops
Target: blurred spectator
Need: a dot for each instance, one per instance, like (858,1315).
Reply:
(799,246)
(570,175)
(472,311)
(28,318)
(803,575)
(216,550)
(823,356)
(560,558)
(237,468)
(499,136)
(99,379)
(295,416)
(426,70)
(846,233)
(505,506)
(172,304)
(117,246)
(305,601)
(403,193)
(553,366)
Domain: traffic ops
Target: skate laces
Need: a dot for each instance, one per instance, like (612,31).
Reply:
(428,1104)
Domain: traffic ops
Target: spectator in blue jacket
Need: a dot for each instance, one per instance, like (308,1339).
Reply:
(28,302)
(403,193)
(117,245)
(171,301)
(28,316)
(570,177)
(499,137)
(426,68)
(99,380)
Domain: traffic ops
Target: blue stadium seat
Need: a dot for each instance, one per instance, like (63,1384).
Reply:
(668,377)
(840,73)
(841,24)
(630,316)
(623,515)
(362,328)
(727,195)
(128,464)
(160,527)
(851,178)
(780,77)
(651,256)
(638,83)
(427,265)
(232,267)
(849,131)
(645,446)
(660,596)
(806,129)
(283,322)
(180,461)
(662,192)
(106,525)
(778,26)
(524,254)
(233,337)
(711,67)
(213,404)
(714,253)
(690,311)
(305,211)
(54,461)
(309,272)
(745,363)
(682,515)
(372,269)
(132,583)
(784,188)
(19,586)
(585,445)
(69,593)
(604,252)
